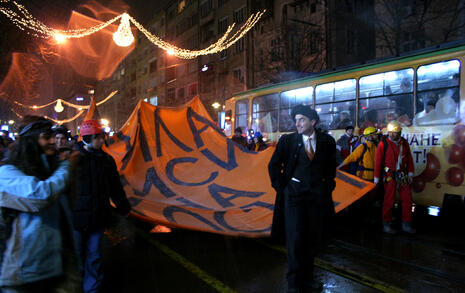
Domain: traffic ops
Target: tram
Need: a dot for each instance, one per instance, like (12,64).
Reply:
(424,91)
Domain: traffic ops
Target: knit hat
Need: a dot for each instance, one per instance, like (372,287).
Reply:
(306,111)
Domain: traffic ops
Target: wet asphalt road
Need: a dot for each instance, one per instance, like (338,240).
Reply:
(360,259)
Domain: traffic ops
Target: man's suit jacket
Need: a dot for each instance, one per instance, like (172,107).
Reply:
(323,172)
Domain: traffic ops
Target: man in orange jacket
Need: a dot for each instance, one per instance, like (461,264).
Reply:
(395,163)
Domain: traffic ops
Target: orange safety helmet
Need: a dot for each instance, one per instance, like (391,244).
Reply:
(90,127)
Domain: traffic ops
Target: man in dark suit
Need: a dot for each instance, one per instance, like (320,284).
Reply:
(302,171)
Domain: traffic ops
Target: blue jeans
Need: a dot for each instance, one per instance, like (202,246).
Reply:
(90,246)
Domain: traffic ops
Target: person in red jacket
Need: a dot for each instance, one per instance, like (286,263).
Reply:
(394,163)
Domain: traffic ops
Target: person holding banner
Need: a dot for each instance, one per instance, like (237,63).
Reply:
(97,181)
(302,171)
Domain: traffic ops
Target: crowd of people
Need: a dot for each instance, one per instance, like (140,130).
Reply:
(55,197)
(253,141)
(387,162)
(55,205)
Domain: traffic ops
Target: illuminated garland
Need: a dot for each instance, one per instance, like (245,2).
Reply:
(66,120)
(123,36)
(79,107)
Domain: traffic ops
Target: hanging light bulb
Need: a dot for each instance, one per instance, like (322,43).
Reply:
(59,107)
(123,36)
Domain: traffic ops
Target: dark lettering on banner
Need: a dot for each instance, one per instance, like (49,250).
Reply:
(196,132)
(159,122)
(188,203)
(230,164)
(170,168)
(151,178)
(144,147)
(127,157)
(132,200)
(169,211)
(122,137)
(225,202)
(125,138)
(220,219)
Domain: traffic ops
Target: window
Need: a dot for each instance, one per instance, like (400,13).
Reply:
(205,8)
(385,97)
(288,100)
(242,112)
(239,46)
(181,70)
(313,8)
(224,53)
(351,42)
(153,66)
(170,73)
(335,104)
(265,113)
(222,25)
(170,95)
(238,77)
(221,2)
(238,15)
(192,90)
(438,94)
(275,50)
(207,31)
(181,6)
(180,95)
(192,67)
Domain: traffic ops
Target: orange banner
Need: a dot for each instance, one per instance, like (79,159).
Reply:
(180,170)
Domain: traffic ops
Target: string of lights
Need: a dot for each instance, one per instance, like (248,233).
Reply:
(65,120)
(79,107)
(123,36)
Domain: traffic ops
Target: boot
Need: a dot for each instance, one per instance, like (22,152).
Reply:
(388,229)
(407,228)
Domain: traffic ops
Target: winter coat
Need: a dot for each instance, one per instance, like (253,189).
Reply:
(97,181)
(281,168)
(40,230)
(366,166)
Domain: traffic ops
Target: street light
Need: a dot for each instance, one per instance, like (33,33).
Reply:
(104,122)
(204,68)
(11,122)
(216,105)
(59,38)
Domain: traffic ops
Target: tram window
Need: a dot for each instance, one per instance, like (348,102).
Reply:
(288,100)
(438,93)
(265,113)
(335,104)
(242,111)
(386,96)
(336,115)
